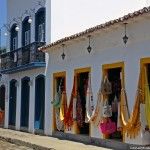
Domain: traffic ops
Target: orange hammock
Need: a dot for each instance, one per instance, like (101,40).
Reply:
(68,120)
(131,126)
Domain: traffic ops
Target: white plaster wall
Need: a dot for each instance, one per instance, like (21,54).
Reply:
(32,74)
(107,48)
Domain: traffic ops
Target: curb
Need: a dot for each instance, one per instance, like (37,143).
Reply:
(23,143)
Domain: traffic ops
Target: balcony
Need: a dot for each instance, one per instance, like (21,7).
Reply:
(24,58)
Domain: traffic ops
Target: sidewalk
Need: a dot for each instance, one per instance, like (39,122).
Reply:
(43,142)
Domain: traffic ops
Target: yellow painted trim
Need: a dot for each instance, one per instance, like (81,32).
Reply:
(105,68)
(143,63)
(76,72)
(55,76)
(82,70)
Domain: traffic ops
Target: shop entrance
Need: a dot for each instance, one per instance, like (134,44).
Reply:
(114,77)
(59,88)
(81,88)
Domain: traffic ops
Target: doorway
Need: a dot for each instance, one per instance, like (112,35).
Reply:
(39,102)
(81,89)
(2,105)
(25,95)
(12,102)
(59,82)
(115,75)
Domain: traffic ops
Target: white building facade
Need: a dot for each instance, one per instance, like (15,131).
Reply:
(108,54)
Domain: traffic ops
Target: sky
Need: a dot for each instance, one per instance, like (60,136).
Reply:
(2,18)
(72,16)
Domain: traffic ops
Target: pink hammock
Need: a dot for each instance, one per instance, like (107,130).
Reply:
(107,127)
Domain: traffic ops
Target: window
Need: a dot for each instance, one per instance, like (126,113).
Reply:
(27,37)
(15,43)
(41,32)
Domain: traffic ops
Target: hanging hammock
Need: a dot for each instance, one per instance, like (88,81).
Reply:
(68,120)
(59,123)
(89,101)
(63,106)
(147,99)
(131,126)
(57,101)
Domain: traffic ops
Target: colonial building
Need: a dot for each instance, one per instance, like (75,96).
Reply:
(115,57)
(93,83)
(23,66)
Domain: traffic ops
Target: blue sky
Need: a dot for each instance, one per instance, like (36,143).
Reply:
(2,19)
(2,12)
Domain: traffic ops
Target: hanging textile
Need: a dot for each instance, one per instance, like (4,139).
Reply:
(57,101)
(89,101)
(63,106)
(74,108)
(79,115)
(68,120)
(147,99)
(106,87)
(119,123)
(131,126)
(59,122)
(115,105)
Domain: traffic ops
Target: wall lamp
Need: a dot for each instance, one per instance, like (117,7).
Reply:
(63,54)
(125,37)
(89,48)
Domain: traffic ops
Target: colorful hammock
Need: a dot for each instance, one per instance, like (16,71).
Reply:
(131,126)
(63,106)
(89,101)
(147,100)
(68,120)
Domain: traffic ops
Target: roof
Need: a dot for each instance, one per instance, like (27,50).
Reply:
(97,28)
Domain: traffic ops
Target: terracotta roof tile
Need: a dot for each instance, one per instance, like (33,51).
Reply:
(98,27)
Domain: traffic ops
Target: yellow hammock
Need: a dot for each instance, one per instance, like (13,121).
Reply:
(147,100)
(131,126)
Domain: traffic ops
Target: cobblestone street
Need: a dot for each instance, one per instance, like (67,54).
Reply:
(8,146)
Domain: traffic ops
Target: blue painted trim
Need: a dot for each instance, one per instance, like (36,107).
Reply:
(24,67)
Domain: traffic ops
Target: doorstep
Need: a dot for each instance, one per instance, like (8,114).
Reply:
(113,144)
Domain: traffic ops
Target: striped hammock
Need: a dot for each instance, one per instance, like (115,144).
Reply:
(89,101)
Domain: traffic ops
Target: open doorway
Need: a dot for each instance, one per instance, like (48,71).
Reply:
(2,105)
(25,96)
(115,75)
(39,103)
(81,89)
(59,82)
(115,80)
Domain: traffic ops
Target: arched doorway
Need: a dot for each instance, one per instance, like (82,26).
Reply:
(39,102)
(12,102)
(25,96)
(2,105)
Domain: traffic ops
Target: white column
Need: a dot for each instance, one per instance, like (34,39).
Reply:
(18,105)
(6,105)
(48,99)
(32,106)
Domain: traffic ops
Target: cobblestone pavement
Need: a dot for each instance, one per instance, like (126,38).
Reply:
(9,146)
